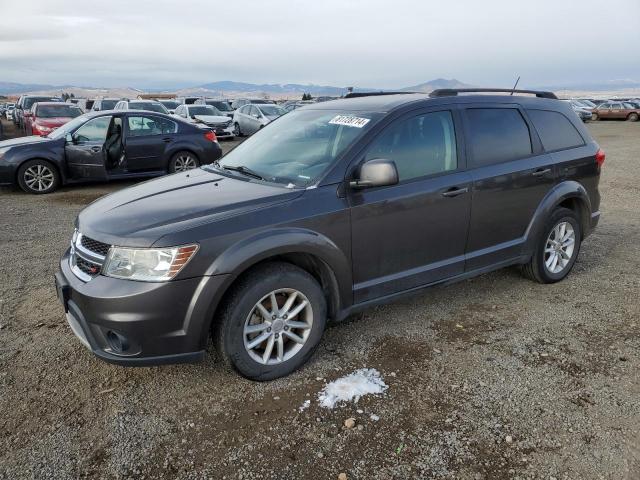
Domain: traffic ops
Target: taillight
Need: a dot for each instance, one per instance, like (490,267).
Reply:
(211,136)
(600,156)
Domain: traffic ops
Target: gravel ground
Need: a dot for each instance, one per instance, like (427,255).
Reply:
(495,377)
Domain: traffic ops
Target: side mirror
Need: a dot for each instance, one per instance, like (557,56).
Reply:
(68,138)
(379,172)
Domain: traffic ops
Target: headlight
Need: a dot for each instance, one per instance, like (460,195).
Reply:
(147,264)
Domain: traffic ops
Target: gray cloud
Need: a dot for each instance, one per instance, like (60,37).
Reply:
(340,42)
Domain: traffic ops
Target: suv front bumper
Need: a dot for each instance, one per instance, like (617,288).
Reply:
(139,323)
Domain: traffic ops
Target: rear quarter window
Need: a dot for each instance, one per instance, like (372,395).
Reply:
(497,135)
(556,131)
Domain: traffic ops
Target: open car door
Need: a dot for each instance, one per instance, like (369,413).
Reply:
(85,149)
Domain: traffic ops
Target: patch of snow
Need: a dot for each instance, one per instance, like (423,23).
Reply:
(366,381)
(305,405)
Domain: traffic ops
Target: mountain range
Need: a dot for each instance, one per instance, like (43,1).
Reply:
(233,89)
(221,88)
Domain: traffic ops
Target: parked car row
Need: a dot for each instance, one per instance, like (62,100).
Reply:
(6,110)
(23,107)
(614,109)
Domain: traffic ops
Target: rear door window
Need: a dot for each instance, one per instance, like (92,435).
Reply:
(555,130)
(497,135)
(141,126)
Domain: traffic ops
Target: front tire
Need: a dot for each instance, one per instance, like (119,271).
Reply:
(272,322)
(38,177)
(595,117)
(557,248)
(183,161)
(236,130)
(633,117)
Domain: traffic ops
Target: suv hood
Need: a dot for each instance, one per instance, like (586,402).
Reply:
(140,215)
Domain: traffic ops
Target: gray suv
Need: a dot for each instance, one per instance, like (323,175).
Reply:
(330,209)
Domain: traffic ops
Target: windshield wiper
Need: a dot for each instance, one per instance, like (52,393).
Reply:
(244,170)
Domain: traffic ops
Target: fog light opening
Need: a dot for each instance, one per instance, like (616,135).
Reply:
(117,342)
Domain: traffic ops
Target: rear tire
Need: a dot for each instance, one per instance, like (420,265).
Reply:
(633,117)
(594,117)
(38,177)
(183,161)
(557,248)
(248,315)
(236,130)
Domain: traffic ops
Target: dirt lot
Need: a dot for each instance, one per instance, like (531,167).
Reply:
(495,377)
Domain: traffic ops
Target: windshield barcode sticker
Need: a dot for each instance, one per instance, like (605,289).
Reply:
(349,121)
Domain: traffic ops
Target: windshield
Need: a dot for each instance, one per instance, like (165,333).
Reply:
(67,127)
(108,104)
(29,101)
(150,106)
(222,106)
(299,147)
(170,104)
(203,110)
(62,110)
(271,110)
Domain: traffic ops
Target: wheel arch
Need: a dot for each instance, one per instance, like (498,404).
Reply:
(181,148)
(569,194)
(310,251)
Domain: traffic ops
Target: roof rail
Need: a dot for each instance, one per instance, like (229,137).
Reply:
(452,92)
(373,94)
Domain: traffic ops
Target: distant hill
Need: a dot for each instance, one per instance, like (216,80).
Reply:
(10,88)
(272,88)
(221,88)
(436,84)
(233,89)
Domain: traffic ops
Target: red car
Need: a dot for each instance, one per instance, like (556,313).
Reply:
(45,117)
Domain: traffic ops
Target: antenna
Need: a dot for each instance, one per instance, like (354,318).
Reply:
(514,87)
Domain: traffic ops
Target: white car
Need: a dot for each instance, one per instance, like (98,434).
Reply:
(251,117)
(206,116)
(8,113)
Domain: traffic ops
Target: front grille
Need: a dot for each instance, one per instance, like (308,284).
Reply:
(87,267)
(95,246)
(87,256)
(219,125)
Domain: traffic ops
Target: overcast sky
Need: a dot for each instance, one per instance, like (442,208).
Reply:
(369,43)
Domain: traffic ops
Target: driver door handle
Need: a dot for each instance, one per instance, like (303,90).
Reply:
(167,139)
(96,149)
(454,192)
(539,173)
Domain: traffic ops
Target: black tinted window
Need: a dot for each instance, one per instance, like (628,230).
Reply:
(555,130)
(419,146)
(497,135)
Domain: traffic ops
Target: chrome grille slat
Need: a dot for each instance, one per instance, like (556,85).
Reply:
(87,257)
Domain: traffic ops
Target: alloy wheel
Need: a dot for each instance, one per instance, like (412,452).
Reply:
(184,163)
(559,247)
(38,178)
(278,326)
